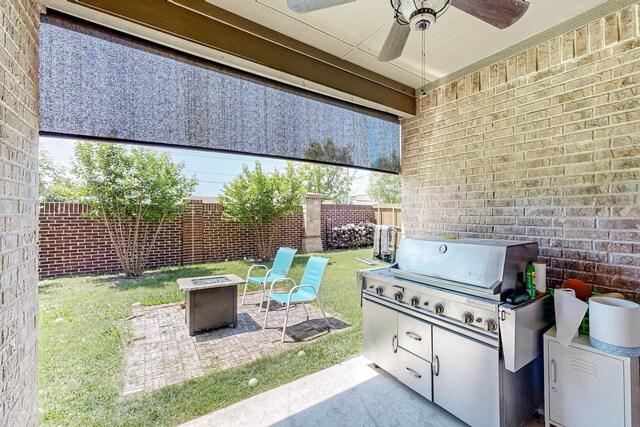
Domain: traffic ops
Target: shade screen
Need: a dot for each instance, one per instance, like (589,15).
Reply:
(100,84)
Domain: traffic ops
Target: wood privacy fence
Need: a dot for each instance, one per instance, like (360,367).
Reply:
(72,243)
(389,215)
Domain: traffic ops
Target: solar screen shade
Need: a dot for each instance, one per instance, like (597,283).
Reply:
(96,83)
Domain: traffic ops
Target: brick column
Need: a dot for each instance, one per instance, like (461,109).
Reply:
(192,252)
(18,212)
(312,205)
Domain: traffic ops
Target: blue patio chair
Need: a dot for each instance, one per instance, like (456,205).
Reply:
(279,270)
(306,291)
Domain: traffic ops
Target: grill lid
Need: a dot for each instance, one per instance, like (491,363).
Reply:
(467,265)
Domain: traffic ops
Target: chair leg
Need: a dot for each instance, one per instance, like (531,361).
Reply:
(244,293)
(264,325)
(305,310)
(264,293)
(323,315)
(286,319)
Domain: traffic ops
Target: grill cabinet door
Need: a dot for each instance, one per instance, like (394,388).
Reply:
(465,378)
(379,335)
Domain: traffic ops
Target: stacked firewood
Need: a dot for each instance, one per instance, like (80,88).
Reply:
(351,236)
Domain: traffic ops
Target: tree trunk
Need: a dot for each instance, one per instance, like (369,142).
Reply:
(131,243)
(265,239)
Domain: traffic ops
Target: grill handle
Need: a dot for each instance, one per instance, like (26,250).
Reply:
(436,366)
(413,336)
(414,373)
(394,343)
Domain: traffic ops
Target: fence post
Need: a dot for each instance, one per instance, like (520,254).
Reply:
(312,208)
(192,252)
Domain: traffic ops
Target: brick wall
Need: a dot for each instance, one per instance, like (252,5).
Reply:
(338,215)
(224,240)
(542,146)
(18,211)
(72,243)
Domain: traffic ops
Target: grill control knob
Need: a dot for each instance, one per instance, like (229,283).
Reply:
(379,290)
(490,325)
(438,309)
(415,301)
(398,296)
(467,317)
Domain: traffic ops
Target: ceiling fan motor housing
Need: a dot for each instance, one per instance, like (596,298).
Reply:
(422,19)
(421,15)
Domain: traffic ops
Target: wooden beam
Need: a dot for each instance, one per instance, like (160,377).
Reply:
(199,22)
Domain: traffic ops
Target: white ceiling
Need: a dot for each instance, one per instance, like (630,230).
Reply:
(356,32)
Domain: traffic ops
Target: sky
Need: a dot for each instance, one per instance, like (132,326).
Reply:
(212,169)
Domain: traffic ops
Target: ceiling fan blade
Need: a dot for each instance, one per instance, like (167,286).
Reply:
(394,44)
(304,6)
(499,13)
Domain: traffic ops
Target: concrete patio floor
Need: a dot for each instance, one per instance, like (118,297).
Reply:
(162,353)
(352,393)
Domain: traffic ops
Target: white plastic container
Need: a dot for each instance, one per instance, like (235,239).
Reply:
(614,326)
(541,276)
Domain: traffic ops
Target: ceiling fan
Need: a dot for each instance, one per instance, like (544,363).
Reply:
(420,15)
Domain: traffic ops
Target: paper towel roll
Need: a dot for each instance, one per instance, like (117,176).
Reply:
(613,326)
(541,276)
(569,313)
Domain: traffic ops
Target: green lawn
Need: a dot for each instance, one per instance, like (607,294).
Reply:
(83,333)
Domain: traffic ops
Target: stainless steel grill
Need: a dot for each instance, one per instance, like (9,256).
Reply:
(437,320)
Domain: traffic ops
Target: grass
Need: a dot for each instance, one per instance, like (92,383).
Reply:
(84,331)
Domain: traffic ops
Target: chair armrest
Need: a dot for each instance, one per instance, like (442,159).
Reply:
(255,266)
(272,271)
(284,279)
(295,289)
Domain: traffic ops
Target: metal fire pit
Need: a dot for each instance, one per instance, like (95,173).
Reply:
(211,302)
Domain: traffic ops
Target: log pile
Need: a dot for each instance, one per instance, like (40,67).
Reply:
(351,236)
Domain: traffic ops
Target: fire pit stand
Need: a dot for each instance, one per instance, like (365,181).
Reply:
(211,302)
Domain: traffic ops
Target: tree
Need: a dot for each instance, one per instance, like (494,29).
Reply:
(135,191)
(333,182)
(384,187)
(259,201)
(55,184)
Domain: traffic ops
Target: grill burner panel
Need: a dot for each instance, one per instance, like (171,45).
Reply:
(431,301)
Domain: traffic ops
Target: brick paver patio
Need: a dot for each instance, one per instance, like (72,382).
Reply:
(162,352)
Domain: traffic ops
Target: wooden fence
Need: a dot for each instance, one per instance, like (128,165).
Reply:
(389,215)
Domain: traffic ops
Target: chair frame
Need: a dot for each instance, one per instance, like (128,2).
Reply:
(293,290)
(263,283)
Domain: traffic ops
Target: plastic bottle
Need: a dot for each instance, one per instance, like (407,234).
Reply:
(530,279)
